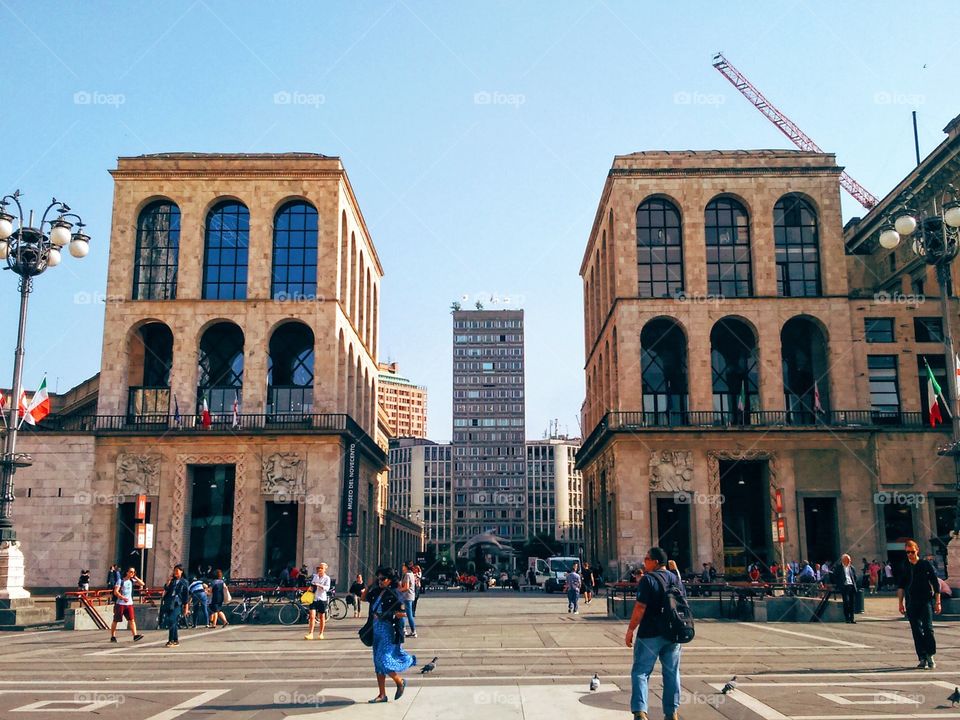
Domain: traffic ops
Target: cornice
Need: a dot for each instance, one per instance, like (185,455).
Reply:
(702,171)
(218,174)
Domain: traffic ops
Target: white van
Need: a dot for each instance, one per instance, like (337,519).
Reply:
(552,571)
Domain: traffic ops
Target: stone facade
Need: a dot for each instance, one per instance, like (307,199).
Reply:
(404,403)
(642,468)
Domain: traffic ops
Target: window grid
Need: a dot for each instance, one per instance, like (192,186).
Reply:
(797,248)
(878,330)
(659,250)
(294,271)
(225,252)
(884,384)
(728,249)
(158,242)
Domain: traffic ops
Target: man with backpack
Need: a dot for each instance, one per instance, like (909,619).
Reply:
(661,622)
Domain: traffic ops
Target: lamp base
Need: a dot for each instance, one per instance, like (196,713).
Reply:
(12,572)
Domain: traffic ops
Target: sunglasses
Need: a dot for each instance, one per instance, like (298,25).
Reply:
(911,552)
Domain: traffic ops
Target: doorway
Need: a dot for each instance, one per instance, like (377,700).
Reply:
(211,518)
(746,515)
(673,531)
(280,550)
(822,532)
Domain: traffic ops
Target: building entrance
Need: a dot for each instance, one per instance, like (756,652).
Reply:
(745,512)
(211,517)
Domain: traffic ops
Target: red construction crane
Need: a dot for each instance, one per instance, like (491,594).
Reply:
(797,136)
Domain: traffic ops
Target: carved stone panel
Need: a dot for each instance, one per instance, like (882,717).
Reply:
(671,470)
(138,474)
(283,474)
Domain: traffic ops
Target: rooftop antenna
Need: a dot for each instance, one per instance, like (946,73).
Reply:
(916,138)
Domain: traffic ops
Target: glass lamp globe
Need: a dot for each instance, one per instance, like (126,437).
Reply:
(53,257)
(6,227)
(79,248)
(889,239)
(905,224)
(4,249)
(951,214)
(60,235)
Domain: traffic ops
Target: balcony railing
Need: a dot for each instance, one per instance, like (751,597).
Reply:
(707,420)
(289,403)
(148,404)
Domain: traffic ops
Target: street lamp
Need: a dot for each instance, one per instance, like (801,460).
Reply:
(28,251)
(936,239)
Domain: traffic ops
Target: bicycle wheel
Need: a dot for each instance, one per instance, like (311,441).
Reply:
(289,614)
(337,609)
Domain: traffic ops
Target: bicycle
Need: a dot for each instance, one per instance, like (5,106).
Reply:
(295,611)
(248,613)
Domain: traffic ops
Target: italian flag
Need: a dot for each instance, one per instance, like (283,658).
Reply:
(39,406)
(205,420)
(742,397)
(22,404)
(934,396)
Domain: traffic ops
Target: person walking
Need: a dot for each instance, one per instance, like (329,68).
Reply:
(218,595)
(418,586)
(844,579)
(320,585)
(588,583)
(643,635)
(408,593)
(113,577)
(123,597)
(198,594)
(888,579)
(83,582)
(874,570)
(389,657)
(572,584)
(175,599)
(918,595)
(356,594)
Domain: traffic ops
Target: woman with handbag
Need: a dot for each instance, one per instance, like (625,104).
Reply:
(219,596)
(389,657)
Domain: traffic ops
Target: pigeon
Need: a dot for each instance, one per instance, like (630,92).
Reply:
(429,667)
(731,685)
(954,697)
(594,683)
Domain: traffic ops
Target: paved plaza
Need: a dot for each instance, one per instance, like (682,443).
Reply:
(500,656)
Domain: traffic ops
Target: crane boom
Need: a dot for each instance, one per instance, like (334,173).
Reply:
(797,136)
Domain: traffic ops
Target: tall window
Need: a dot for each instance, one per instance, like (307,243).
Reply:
(736,378)
(663,371)
(295,252)
(884,386)
(225,252)
(220,371)
(728,249)
(806,385)
(797,243)
(157,244)
(659,249)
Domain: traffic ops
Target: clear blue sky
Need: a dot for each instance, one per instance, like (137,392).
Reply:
(462,197)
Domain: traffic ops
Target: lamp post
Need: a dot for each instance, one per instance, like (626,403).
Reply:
(936,239)
(28,250)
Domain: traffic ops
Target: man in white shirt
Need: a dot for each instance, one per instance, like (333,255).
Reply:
(408,593)
(320,584)
(845,580)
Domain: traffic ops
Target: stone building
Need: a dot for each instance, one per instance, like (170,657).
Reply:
(404,402)
(238,383)
(555,492)
(736,347)
(421,488)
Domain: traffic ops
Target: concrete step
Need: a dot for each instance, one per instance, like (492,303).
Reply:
(26,612)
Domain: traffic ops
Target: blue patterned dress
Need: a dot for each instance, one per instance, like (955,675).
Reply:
(388,655)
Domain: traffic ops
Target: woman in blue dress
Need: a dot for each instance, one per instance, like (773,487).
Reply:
(389,657)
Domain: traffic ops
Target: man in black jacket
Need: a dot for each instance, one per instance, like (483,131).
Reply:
(918,591)
(176,599)
(845,581)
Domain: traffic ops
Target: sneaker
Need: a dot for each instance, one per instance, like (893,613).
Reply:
(413,634)
(576,612)
(320,636)
(931,663)
(674,716)
(308,636)
(922,665)
(641,715)
(137,638)
(113,638)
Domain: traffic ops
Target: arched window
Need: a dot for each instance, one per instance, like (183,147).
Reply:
(727,227)
(290,370)
(149,360)
(805,381)
(663,371)
(659,249)
(157,245)
(797,243)
(736,380)
(220,376)
(295,252)
(227,236)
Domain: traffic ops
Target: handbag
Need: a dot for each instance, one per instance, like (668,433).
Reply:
(227,597)
(307,597)
(366,632)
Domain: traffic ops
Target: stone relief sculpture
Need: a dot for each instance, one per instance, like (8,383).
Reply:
(671,470)
(283,474)
(138,474)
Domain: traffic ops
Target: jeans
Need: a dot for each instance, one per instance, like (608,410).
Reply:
(173,624)
(200,614)
(408,606)
(921,625)
(573,598)
(645,654)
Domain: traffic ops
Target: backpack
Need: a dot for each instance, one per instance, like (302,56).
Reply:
(676,620)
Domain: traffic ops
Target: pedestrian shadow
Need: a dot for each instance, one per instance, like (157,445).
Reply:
(327,704)
(835,671)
